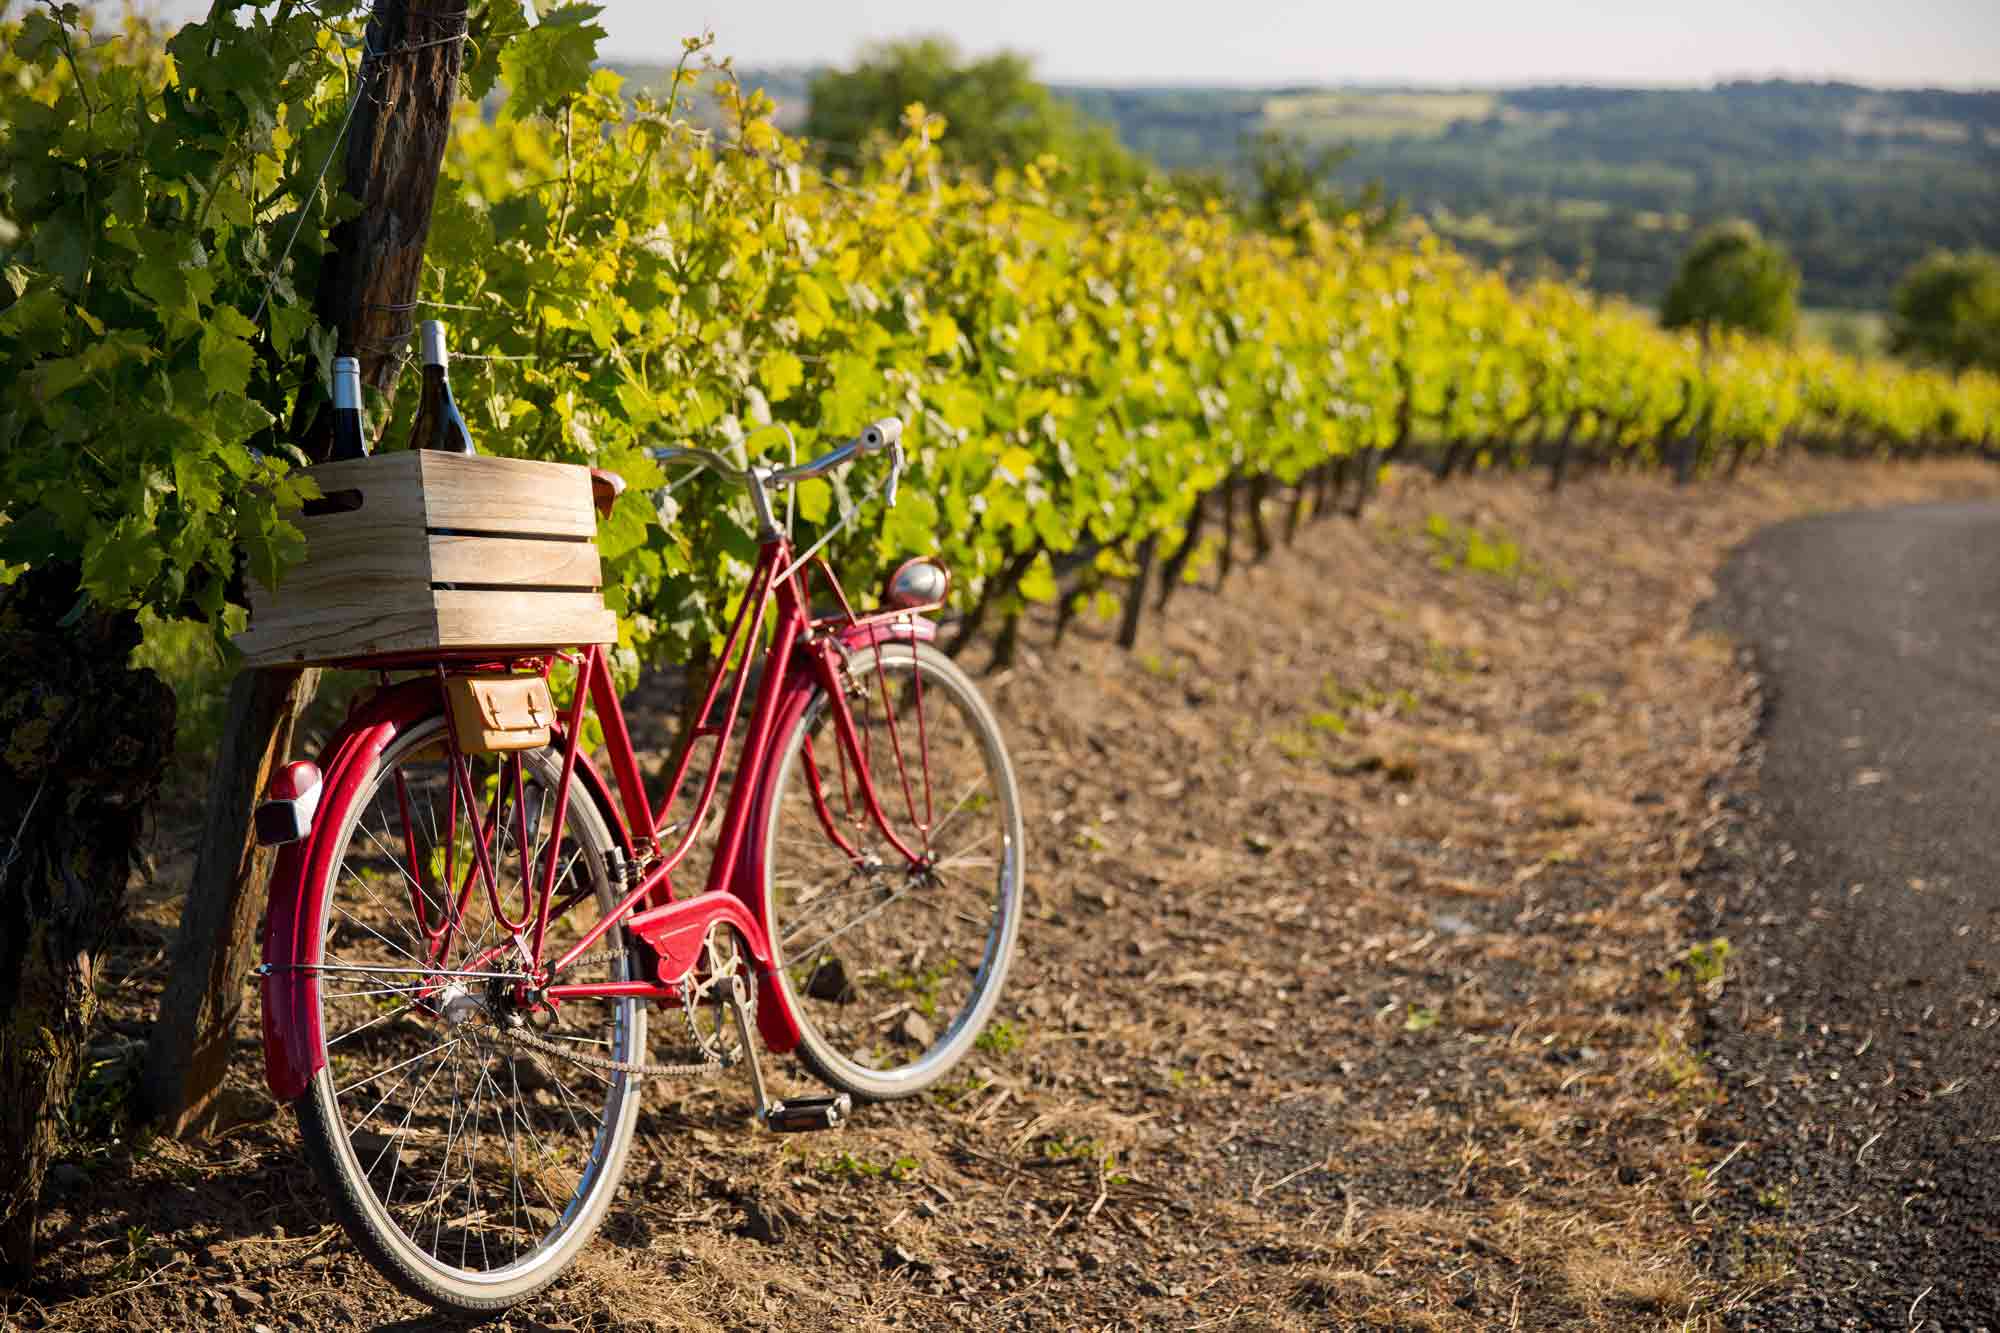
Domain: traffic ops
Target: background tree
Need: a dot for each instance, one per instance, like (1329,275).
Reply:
(1735,279)
(1948,311)
(995,113)
(1287,175)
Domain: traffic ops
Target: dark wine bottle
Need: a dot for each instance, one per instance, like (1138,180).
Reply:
(350,428)
(439,425)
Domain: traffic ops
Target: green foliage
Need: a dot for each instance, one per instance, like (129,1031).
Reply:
(1291,184)
(860,1168)
(144,184)
(1000,1038)
(1608,184)
(997,114)
(1707,964)
(1455,547)
(1948,311)
(544,65)
(1734,279)
(1076,364)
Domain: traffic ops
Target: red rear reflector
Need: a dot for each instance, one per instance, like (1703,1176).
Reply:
(292,798)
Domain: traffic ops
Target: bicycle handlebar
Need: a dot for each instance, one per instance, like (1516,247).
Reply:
(884,434)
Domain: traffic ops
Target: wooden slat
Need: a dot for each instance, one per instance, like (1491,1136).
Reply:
(559,564)
(365,587)
(349,562)
(522,619)
(391,487)
(327,637)
(474,493)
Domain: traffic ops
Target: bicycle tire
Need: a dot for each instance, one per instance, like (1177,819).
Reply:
(944,961)
(528,1232)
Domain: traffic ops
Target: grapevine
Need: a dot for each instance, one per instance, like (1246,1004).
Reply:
(1080,368)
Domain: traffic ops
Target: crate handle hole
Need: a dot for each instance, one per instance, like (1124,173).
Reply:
(334,502)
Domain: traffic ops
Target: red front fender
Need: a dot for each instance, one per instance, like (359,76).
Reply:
(775,1019)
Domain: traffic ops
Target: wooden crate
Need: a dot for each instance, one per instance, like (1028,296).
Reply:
(444,551)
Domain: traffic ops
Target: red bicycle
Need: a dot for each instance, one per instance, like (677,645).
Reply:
(463,943)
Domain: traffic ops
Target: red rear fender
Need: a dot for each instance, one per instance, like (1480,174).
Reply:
(292,1046)
(293,1050)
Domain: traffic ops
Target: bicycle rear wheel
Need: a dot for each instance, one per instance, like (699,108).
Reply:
(893,966)
(469,1168)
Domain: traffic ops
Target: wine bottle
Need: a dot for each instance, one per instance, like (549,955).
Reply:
(439,424)
(350,428)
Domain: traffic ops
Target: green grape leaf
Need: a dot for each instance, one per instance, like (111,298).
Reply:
(119,561)
(780,373)
(1039,583)
(815,500)
(499,22)
(551,62)
(225,359)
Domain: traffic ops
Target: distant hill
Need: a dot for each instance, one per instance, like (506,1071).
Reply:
(1610,183)
(1859,183)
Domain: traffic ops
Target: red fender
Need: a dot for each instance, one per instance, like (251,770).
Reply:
(293,1047)
(776,1022)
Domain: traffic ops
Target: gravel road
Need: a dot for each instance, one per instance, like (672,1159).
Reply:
(1856,870)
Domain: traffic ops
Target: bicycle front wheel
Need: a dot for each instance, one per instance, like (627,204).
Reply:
(893,963)
(470,1168)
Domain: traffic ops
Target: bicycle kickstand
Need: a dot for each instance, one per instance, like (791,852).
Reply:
(801,1114)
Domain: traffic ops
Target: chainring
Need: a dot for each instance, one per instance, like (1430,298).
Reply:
(723,976)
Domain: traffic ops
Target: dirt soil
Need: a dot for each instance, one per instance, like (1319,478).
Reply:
(1356,987)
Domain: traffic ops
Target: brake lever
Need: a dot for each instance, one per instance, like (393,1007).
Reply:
(896,461)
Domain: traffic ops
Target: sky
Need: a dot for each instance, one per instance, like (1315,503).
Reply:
(1950,43)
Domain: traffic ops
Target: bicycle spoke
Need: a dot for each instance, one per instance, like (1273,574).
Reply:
(480,1166)
(932,938)
(362,1083)
(398,1011)
(971,789)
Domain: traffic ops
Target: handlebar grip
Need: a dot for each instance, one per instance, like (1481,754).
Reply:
(884,434)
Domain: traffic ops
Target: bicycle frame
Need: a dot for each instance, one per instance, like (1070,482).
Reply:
(804,658)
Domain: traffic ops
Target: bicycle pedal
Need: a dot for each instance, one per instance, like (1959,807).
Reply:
(802,1115)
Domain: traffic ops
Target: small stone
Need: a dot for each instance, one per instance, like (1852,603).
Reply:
(763,1223)
(912,1030)
(897,1257)
(829,982)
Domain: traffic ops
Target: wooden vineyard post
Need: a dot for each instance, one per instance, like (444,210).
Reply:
(89,739)
(217,939)
(367,289)
(1135,595)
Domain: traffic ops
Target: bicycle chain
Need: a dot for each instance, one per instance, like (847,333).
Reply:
(711,1065)
(522,1034)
